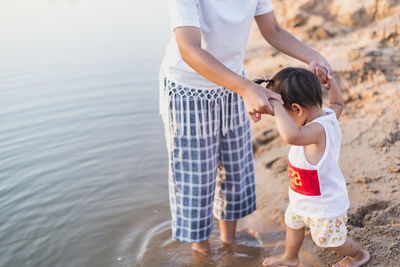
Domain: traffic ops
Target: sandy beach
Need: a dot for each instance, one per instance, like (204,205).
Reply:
(361,41)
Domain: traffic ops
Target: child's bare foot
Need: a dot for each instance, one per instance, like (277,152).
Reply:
(360,259)
(281,260)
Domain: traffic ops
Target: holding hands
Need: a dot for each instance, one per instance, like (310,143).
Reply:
(321,67)
(256,98)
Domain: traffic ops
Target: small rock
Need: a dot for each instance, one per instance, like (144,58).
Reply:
(390,140)
(266,137)
(270,163)
(361,180)
(394,136)
(280,165)
(319,33)
(394,168)
(352,97)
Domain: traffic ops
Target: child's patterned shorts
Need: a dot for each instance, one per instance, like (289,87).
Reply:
(211,168)
(326,232)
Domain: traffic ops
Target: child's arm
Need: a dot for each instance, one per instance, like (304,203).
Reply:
(293,134)
(336,102)
(335,97)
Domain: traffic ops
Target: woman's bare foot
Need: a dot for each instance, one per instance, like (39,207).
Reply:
(281,260)
(360,259)
(240,249)
(202,247)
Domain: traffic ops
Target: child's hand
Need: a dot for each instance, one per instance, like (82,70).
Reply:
(332,83)
(323,76)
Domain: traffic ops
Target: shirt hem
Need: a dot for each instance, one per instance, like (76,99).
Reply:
(323,215)
(185,24)
(202,86)
(264,11)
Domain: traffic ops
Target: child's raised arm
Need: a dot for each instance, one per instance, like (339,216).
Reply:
(336,102)
(296,135)
(335,97)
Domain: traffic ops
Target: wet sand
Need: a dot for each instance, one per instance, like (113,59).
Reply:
(361,40)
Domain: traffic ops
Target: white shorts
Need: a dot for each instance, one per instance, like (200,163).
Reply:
(326,232)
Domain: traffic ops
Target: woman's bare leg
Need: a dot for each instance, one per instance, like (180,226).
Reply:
(228,231)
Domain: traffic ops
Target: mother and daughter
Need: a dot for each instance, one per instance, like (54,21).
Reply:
(204,97)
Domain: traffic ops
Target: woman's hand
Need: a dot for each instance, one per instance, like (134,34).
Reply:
(256,99)
(290,45)
(321,67)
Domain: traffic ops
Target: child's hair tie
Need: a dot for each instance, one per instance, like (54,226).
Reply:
(260,81)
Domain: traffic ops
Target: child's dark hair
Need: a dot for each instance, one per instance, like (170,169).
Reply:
(296,85)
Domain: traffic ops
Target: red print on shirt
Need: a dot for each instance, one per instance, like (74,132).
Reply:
(303,181)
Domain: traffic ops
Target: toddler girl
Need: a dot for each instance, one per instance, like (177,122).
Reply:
(317,189)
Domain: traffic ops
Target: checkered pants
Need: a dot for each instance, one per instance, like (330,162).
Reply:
(210,159)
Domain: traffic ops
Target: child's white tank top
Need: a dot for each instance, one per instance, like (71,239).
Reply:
(319,190)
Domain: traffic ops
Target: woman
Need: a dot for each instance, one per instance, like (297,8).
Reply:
(204,95)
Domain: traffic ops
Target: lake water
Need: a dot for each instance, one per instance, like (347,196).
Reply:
(83,164)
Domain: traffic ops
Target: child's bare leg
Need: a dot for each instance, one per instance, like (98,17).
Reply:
(355,255)
(202,247)
(228,231)
(294,239)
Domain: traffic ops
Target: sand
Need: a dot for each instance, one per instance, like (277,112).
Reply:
(361,41)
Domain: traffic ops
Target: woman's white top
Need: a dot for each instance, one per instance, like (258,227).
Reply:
(224,26)
(319,190)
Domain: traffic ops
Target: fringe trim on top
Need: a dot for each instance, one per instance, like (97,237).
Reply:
(199,113)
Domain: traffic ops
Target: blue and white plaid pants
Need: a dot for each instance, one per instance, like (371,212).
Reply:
(211,166)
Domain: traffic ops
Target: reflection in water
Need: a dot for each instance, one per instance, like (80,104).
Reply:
(160,250)
(78,93)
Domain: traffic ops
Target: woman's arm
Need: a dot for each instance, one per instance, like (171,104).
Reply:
(290,45)
(293,134)
(255,96)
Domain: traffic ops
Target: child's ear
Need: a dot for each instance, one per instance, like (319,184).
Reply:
(297,108)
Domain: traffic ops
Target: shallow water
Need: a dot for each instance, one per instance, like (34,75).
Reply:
(83,164)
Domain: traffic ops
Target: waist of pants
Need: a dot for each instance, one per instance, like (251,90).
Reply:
(199,112)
